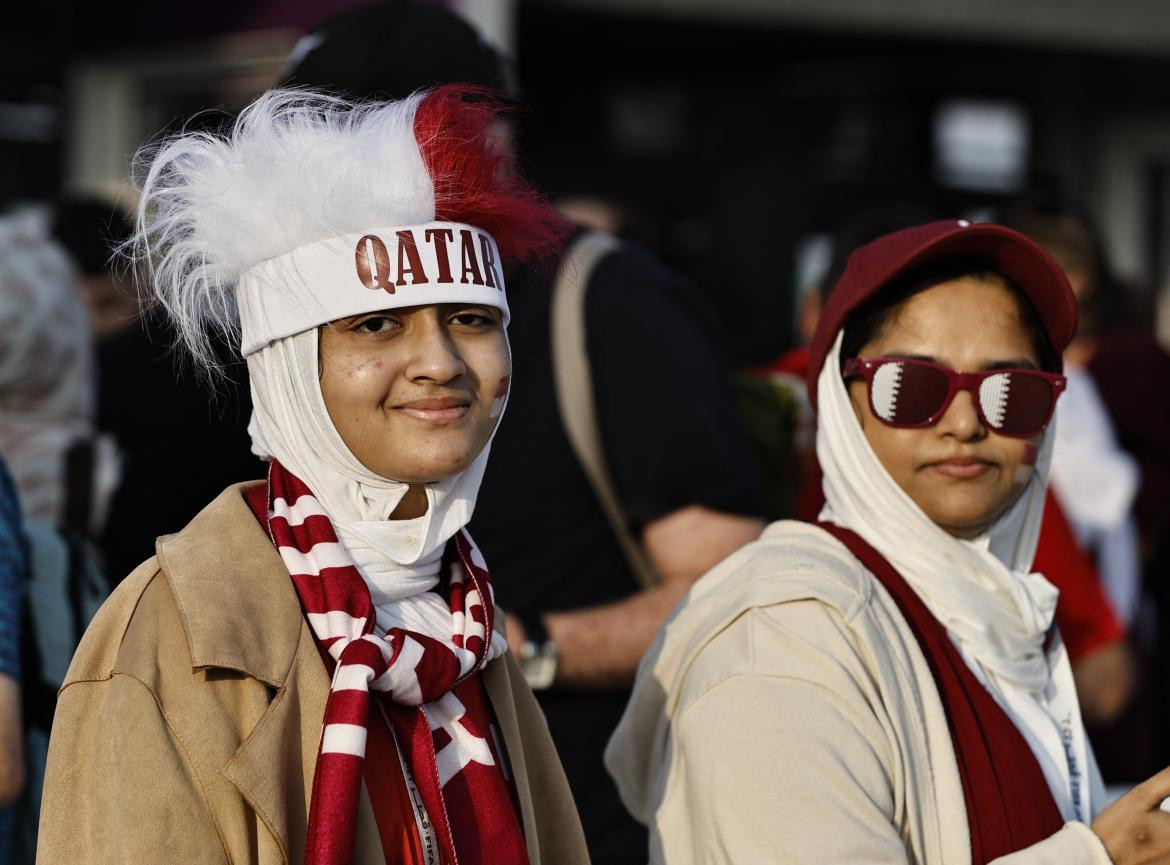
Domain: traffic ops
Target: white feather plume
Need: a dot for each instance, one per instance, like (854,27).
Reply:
(297,167)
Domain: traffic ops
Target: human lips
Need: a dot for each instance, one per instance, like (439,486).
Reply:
(436,409)
(962,467)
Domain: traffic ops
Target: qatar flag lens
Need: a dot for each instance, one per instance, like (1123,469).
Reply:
(904,393)
(1016,404)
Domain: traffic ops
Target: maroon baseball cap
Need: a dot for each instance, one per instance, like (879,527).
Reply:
(874,266)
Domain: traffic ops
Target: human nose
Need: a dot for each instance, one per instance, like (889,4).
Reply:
(961,419)
(434,356)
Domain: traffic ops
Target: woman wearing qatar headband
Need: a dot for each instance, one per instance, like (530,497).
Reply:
(886,686)
(313,670)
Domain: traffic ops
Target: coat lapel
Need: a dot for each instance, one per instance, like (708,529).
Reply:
(258,630)
(273,768)
(238,606)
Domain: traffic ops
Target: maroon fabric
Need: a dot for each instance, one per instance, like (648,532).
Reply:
(1009,805)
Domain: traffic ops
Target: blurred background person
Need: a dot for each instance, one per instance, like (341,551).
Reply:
(1095,480)
(47,379)
(579,618)
(204,423)
(13,570)
(91,227)
(1117,514)
(64,471)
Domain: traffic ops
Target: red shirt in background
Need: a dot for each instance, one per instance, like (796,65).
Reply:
(1086,617)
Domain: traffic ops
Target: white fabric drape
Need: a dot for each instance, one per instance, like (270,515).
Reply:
(1096,482)
(398,559)
(996,611)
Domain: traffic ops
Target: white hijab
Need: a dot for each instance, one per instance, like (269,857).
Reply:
(399,559)
(996,611)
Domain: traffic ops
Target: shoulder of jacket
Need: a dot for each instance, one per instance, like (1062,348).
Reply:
(134,631)
(796,586)
(791,561)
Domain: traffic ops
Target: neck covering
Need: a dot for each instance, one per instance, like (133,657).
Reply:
(398,559)
(371,588)
(996,611)
(429,687)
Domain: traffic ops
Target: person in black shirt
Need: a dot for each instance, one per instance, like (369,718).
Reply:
(685,480)
(671,438)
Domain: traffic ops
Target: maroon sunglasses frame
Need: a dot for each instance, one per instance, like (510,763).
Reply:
(956,381)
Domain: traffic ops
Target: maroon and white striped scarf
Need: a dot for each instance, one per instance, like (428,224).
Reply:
(419,680)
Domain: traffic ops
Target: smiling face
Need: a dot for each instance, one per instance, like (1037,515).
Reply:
(961,474)
(415,393)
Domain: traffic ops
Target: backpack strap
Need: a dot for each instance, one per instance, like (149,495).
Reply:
(573,381)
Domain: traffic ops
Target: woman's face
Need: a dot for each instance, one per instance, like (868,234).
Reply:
(415,392)
(960,473)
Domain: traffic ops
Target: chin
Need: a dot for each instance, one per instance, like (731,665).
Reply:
(431,470)
(964,523)
(421,459)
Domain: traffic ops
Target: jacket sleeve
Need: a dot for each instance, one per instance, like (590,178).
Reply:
(777,764)
(119,787)
(783,754)
(1075,844)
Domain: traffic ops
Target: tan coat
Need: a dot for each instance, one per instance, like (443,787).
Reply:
(785,714)
(188,724)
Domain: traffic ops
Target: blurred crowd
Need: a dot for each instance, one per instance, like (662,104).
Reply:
(665,477)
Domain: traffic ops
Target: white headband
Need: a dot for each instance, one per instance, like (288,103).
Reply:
(387,268)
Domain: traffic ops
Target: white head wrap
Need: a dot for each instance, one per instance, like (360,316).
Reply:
(997,612)
(399,559)
(312,210)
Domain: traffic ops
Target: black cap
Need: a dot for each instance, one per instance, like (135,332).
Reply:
(389,50)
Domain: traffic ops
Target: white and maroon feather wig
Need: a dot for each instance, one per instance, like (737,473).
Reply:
(260,222)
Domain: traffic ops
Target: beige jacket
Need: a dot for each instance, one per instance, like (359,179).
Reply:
(785,714)
(188,725)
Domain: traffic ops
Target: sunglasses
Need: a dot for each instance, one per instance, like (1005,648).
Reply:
(916,393)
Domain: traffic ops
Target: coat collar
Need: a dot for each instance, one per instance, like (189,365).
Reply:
(255,627)
(224,553)
(240,612)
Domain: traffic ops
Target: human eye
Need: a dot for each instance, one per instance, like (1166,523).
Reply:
(374,324)
(477,317)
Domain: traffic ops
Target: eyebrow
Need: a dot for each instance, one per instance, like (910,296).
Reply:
(1008,363)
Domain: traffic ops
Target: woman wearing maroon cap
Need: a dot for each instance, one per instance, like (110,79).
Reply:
(887,685)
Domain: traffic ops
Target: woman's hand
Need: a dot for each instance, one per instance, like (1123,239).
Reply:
(1134,829)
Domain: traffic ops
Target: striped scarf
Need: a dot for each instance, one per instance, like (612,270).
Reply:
(430,690)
